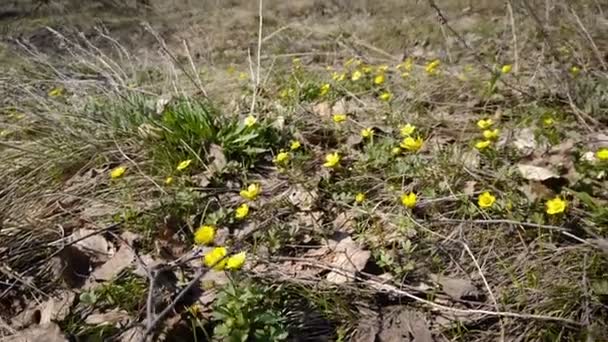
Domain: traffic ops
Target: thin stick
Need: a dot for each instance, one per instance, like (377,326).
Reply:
(514,34)
(256,77)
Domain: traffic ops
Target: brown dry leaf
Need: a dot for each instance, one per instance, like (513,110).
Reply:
(219,159)
(49,332)
(401,324)
(349,257)
(202,179)
(121,260)
(535,173)
(322,109)
(135,334)
(56,309)
(345,222)
(340,107)
(354,140)
(536,190)
(95,245)
(469,188)
(368,327)
(108,318)
(456,288)
(525,141)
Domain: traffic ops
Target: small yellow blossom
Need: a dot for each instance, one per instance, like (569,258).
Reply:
(548,122)
(396,151)
(338,76)
(409,200)
(486,200)
(411,144)
(367,132)
(431,67)
(332,160)
(295,145)
(485,123)
(282,158)
(366,69)
(56,92)
(169,180)
(602,154)
(242,211)
(117,172)
(216,258)
(407,130)
(250,121)
(491,134)
(555,206)
(405,74)
(379,79)
(236,261)
(183,164)
(243,76)
(360,197)
(383,68)
(506,68)
(252,192)
(204,235)
(338,118)
(483,144)
(324,89)
(386,96)
(356,75)
(407,65)
(574,70)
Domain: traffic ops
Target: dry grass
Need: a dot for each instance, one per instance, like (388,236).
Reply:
(78,108)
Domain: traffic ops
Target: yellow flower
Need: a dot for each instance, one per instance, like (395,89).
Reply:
(216,258)
(407,65)
(548,122)
(360,197)
(506,68)
(574,70)
(282,158)
(396,151)
(411,144)
(56,92)
(324,89)
(338,76)
(431,68)
(409,200)
(490,134)
(485,123)
(379,79)
(602,154)
(168,180)
(204,235)
(332,160)
(242,211)
(383,68)
(243,76)
(183,164)
(295,145)
(483,144)
(407,130)
(366,69)
(386,96)
(236,261)
(252,192)
(250,121)
(117,172)
(556,206)
(367,132)
(356,75)
(338,118)
(486,200)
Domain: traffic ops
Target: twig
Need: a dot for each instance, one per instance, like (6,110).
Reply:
(514,33)
(256,77)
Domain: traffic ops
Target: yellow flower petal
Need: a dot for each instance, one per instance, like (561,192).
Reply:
(556,206)
(386,96)
(339,118)
(183,165)
(506,68)
(367,132)
(491,134)
(252,192)
(295,145)
(216,258)
(117,172)
(360,197)
(332,160)
(407,130)
(486,200)
(409,200)
(480,145)
(485,123)
(379,79)
(250,121)
(204,235)
(282,158)
(242,211)
(236,261)
(411,144)
(602,154)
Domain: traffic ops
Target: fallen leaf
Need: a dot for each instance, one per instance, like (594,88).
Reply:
(107,318)
(219,159)
(457,288)
(94,245)
(402,324)
(535,173)
(525,141)
(302,198)
(349,257)
(119,261)
(354,140)
(49,332)
(57,308)
(345,222)
(340,107)
(322,109)
(469,188)
(135,334)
